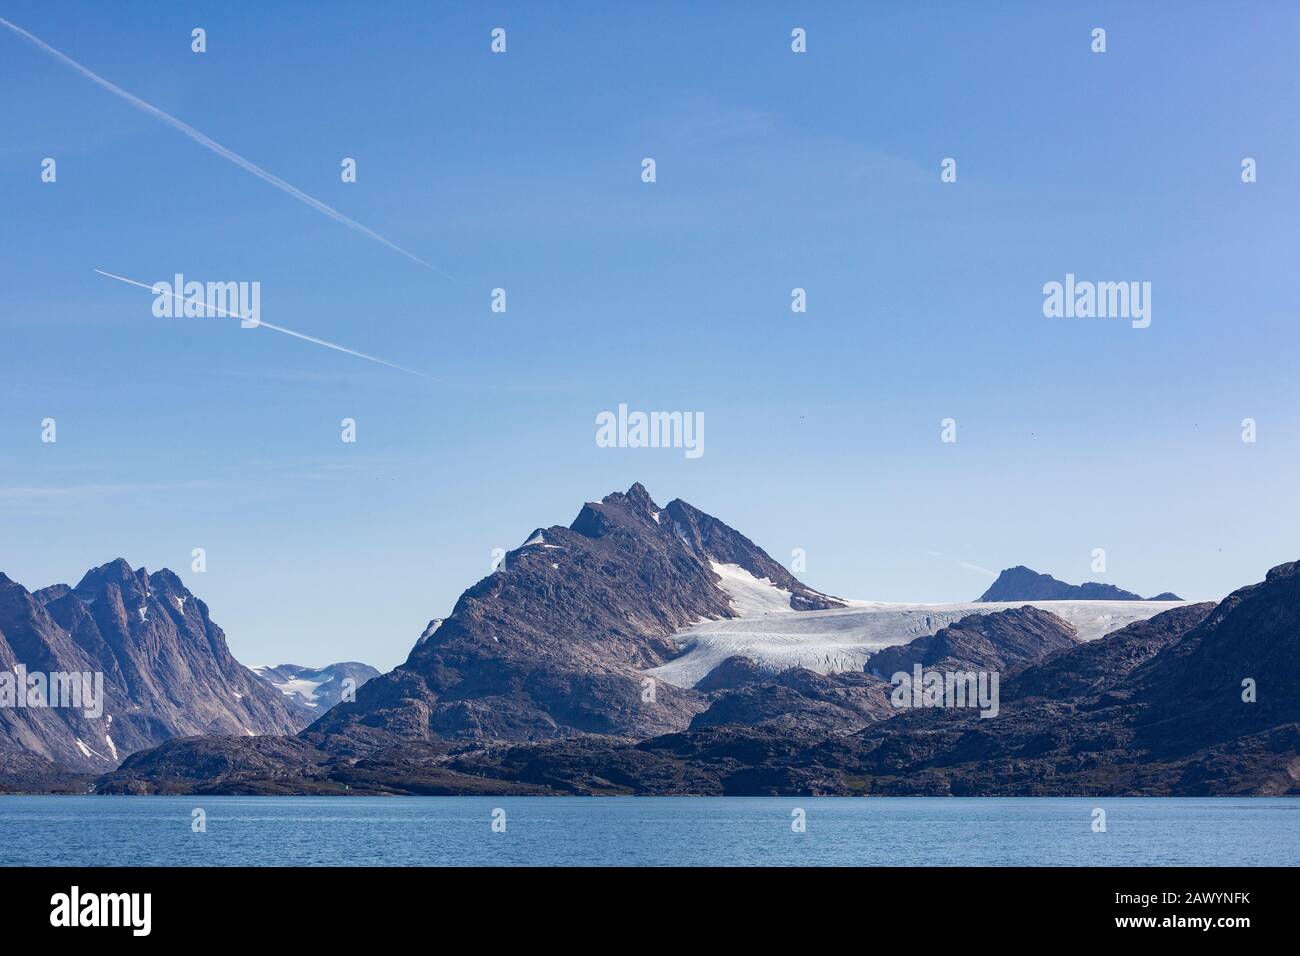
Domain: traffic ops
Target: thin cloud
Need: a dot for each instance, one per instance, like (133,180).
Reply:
(30,492)
(976,567)
(964,564)
(209,143)
(275,328)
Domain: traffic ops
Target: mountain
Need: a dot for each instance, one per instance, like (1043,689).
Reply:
(316,689)
(556,641)
(1022,584)
(991,642)
(541,681)
(165,669)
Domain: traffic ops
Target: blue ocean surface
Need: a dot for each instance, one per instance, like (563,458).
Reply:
(702,831)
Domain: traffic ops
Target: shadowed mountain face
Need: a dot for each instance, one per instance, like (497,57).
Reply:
(1022,584)
(554,642)
(165,668)
(988,642)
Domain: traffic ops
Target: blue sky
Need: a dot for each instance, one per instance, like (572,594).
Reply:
(522,171)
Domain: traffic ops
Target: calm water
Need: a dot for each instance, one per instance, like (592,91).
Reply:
(424,831)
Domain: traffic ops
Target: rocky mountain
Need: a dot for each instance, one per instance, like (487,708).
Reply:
(795,700)
(554,643)
(1022,584)
(315,690)
(163,666)
(536,683)
(989,642)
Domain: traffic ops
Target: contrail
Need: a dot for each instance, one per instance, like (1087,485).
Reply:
(216,147)
(275,328)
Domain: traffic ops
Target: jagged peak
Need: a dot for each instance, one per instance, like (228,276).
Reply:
(636,497)
(118,571)
(596,518)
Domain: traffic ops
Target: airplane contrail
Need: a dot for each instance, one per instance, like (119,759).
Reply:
(275,328)
(216,147)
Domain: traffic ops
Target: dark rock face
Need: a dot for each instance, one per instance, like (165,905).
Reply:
(732,673)
(1099,666)
(314,690)
(1022,584)
(987,642)
(798,700)
(166,669)
(1196,687)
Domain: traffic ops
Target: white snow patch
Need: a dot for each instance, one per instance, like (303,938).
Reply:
(655,515)
(238,695)
(112,747)
(307,688)
(751,596)
(88,752)
(180,602)
(844,639)
(537,538)
(429,630)
(302,686)
(144,614)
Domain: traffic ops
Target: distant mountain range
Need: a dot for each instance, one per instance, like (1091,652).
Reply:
(538,682)
(1022,584)
(315,689)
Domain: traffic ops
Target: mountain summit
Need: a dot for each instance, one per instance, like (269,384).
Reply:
(1023,584)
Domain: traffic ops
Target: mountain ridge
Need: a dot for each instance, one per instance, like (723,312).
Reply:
(1024,584)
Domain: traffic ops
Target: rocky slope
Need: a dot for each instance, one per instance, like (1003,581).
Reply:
(795,700)
(1022,584)
(165,668)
